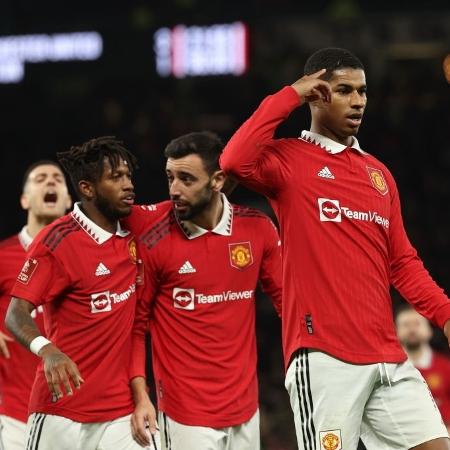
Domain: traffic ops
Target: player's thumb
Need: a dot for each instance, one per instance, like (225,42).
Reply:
(152,425)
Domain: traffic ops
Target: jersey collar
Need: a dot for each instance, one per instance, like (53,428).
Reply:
(192,231)
(328,144)
(425,360)
(24,238)
(92,229)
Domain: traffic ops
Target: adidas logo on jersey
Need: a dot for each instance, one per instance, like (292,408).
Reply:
(325,173)
(186,268)
(101,270)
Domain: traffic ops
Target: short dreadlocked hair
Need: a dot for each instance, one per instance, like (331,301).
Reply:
(331,58)
(87,161)
(207,145)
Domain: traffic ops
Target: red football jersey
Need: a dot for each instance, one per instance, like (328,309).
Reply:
(200,292)
(437,376)
(342,234)
(16,373)
(85,278)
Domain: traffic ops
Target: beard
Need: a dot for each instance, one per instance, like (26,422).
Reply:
(194,209)
(111,213)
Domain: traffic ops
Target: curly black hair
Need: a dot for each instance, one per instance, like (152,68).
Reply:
(87,161)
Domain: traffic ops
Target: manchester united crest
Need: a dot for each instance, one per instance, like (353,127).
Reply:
(241,255)
(330,440)
(132,248)
(377,179)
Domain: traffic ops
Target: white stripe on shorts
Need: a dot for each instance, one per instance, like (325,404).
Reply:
(35,432)
(305,399)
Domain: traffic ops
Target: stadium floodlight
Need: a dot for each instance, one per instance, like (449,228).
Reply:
(201,50)
(15,51)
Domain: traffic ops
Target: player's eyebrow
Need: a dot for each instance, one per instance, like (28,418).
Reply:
(350,86)
(186,174)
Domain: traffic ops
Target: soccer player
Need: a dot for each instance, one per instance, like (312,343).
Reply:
(344,245)
(84,270)
(45,198)
(415,333)
(202,260)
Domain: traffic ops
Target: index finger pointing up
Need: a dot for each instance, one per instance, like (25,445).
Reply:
(318,74)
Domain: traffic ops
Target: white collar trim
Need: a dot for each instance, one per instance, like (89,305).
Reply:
(24,238)
(92,229)
(425,360)
(224,227)
(328,144)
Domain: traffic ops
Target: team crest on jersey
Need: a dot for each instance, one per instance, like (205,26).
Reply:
(132,248)
(330,440)
(27,270)
(377,179)
(241,255)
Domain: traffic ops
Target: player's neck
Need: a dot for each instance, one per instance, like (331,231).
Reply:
(94,214)
(211,215)
(417,355)
(330,134)
(35,224)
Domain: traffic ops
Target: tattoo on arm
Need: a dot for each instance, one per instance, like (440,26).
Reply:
(19,322)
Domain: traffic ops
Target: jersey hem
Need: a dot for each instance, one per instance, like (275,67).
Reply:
(83,418)
(21,417)
(349,357)
(210,421)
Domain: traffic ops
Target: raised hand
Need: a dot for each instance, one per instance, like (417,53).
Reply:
(311,88)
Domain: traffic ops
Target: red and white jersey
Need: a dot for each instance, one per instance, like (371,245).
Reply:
(16,373)
(435,368)
(342,234)
(199,292)
(85,278)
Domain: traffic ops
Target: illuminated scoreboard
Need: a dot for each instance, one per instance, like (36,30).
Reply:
(181,51)
(15,51)
(185,51)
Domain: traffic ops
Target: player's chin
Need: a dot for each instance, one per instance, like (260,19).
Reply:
(183,214)
(50,216)
(123,211)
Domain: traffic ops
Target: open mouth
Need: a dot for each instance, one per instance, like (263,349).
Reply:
(50,199)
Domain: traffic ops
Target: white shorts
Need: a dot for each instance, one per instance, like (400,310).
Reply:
(176,436)
(12,433)
(334,403)
(48,432)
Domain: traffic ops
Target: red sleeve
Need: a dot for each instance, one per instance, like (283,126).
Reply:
(142,217)
(141,321)
(249,155)
(271,267)
(42,278)
(408,274)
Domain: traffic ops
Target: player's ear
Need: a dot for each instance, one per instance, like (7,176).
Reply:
(24,202)
(86,189)
(230,185)
(218,180)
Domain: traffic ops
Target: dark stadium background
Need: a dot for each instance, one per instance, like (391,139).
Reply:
(407,123)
